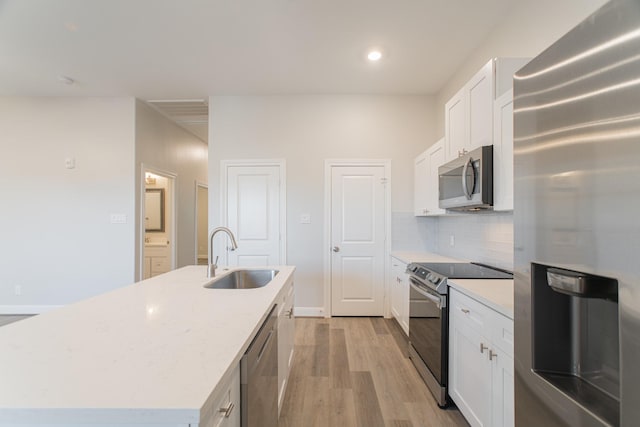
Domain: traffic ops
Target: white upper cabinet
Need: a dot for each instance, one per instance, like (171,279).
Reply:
(503,153)
(425,184)
(469,115)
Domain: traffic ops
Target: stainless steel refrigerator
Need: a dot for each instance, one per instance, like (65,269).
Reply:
(577,226)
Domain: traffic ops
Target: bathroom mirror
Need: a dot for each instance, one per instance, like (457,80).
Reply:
(154,209)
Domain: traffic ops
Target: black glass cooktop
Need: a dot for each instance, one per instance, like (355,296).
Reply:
(464,270)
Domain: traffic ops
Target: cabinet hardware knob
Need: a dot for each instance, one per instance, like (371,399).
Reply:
(464,310)
(483,347)
(336,249)
(228,410)
(492,355)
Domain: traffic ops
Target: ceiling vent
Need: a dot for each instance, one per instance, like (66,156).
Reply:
(191,114)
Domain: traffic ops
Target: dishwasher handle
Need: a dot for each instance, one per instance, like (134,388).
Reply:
(259,346)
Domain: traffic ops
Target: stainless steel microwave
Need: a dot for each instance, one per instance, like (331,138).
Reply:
(466,183)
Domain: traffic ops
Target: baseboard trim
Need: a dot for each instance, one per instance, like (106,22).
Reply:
(309,311)
(27,309)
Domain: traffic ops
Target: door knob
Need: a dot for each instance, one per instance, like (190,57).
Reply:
(336,249)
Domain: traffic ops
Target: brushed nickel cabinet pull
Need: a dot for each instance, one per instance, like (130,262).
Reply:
(228,410)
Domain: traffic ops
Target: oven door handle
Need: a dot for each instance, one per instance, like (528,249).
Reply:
(437,300)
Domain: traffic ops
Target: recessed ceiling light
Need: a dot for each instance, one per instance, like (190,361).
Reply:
(374,55)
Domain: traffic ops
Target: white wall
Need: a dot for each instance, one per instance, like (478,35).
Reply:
(163,145)
(57,239)
(306,130)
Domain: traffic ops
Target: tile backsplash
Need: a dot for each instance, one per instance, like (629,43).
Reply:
(480,237)
(412,234)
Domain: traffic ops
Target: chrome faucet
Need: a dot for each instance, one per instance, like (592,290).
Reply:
(211,272)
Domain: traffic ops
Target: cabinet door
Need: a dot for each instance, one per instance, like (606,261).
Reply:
(400,293)
(286,337)
(421,183)
(225,411)
(159,265)
(480,120)
(455,122)
(404,300)
(503,153)
(503,390)
(394,288)
(435,158)
(470,378)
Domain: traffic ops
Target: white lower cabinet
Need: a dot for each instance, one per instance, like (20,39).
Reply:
(156,261)
(225,410)
(399,290)
(286,336)
(480,362)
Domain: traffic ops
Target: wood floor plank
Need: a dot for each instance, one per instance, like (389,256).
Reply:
(321,353)
(317,399)
(342,410)
(339,360)
(399,423)
(368,412)
(379,325)
(291,413)
(398,334)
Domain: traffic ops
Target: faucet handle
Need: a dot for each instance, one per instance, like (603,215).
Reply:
(215,263)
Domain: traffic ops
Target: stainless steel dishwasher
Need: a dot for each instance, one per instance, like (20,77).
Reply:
(259,376)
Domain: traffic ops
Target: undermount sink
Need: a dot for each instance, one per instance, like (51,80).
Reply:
(243,279)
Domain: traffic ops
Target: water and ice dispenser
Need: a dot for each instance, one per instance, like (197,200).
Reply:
(575,336)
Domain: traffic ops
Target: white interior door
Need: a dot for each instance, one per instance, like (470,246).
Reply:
(357,240)
(253,214)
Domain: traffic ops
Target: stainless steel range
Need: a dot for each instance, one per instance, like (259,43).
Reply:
(429,317)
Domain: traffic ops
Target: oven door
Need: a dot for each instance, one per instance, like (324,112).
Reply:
(428,328)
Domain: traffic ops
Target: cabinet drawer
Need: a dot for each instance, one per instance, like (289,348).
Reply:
(225,409)
(502,332)
(159,265)
(469,310)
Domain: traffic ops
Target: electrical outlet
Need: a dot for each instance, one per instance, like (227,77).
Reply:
(452,240)
(17,289)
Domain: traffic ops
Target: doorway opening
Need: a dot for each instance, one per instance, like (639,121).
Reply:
(158,223)
(202,221)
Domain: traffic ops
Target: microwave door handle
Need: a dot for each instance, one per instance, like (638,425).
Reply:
(465,187)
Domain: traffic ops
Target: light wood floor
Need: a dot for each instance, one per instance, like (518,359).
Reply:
(355,372)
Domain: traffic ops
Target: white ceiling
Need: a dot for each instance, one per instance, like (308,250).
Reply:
(190,49)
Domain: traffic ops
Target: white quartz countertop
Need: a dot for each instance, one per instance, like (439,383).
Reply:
(151,352)
(496,294)
(414,256)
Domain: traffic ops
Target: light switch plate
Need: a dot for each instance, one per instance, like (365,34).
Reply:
(118,218)
(70,163)
(305,218)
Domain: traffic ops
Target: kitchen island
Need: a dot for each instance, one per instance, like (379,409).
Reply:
(154,353)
